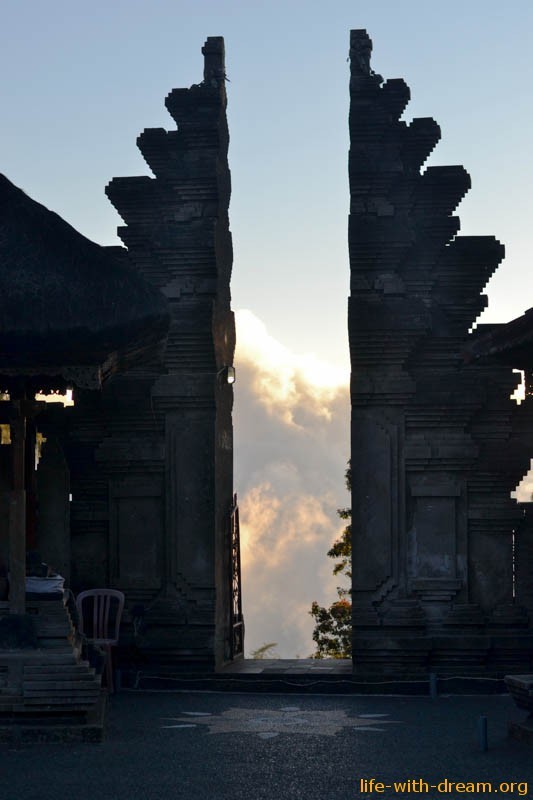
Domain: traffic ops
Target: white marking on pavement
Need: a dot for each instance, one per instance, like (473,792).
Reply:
(371,716)
(197,713)
(178,726)
(266,723)
(362,728)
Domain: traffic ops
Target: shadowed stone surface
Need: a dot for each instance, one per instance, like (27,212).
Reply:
(66,300)
(440,582)
(151,459)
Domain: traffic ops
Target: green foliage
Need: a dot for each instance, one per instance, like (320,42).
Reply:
(264,651)
(332,633)
(342,549)
(333,629)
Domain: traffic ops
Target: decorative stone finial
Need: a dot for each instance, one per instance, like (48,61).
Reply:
(214,61)
(360,52)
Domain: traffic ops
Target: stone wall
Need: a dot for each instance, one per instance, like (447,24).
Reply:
(151,458)
(437,446)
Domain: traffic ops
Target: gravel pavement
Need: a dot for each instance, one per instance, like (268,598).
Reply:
(166,746)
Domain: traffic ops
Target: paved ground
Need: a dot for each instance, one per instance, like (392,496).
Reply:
(167,746)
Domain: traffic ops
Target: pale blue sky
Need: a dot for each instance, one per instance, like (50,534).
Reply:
(81,80)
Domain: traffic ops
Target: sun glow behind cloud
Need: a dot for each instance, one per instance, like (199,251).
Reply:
(283,381)
(291,447)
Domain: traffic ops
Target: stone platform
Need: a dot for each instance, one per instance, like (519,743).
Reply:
(48,692)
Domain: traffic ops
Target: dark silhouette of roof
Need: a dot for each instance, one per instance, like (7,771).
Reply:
(510,343)
(65,300)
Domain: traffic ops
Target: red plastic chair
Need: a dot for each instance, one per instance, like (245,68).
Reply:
(105,616)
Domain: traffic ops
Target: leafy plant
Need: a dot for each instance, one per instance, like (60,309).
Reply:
(332,633)
(264,651)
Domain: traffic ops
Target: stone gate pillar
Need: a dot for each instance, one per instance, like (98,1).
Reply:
(152,458)
(433,457)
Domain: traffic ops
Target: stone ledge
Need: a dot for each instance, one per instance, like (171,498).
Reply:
(522,731)
(521,689)
(39,731)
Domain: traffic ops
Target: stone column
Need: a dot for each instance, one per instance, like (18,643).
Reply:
(155,453)
(53,508)
(433,457)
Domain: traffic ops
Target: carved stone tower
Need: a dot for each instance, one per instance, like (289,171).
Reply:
(152,460)
(434,456)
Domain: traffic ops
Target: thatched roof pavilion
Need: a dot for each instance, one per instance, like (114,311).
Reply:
(510,343)
(67,302)
(71,311)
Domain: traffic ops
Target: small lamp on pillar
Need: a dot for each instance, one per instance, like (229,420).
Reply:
(227,374)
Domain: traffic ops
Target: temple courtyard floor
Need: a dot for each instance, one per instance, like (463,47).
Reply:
(163,745)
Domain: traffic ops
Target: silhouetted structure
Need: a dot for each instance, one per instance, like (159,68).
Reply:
(439,578)
(151,459)
(66,302)
(69,313)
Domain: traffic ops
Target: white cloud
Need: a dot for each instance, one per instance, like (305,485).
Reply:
(524,490)
(286,383)
(291,423)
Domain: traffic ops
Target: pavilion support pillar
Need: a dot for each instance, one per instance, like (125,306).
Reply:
(17,517)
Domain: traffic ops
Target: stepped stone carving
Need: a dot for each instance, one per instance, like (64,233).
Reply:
(151,459)
(437,444)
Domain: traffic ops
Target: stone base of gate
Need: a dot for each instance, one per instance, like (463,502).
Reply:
(471,655)
(521,688)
